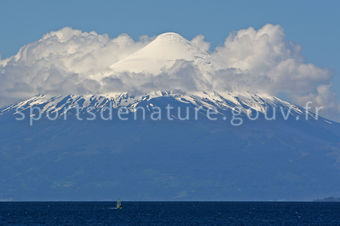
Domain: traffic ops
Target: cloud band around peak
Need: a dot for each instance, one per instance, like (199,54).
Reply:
(70,61)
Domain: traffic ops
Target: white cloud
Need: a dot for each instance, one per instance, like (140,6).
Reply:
(72,61)
(264,61)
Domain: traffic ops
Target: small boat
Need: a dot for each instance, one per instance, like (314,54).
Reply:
(119,204)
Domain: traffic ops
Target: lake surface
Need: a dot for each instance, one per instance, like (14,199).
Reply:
(170,213)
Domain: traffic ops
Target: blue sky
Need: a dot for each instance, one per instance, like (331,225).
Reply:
(312,24)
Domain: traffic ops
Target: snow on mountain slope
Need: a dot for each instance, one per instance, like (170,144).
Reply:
(219,102)
(160,54)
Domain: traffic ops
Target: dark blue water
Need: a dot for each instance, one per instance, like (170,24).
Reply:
(170,213)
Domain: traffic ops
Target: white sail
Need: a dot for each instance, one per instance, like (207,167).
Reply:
(119,204)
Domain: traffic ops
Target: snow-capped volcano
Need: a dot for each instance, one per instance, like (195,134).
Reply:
(161,54)
(68,159)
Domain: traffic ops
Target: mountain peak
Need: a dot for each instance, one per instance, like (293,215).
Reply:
(170,36)
(162,52)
